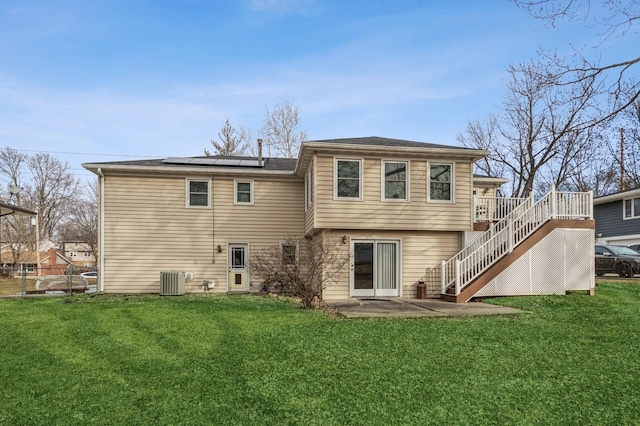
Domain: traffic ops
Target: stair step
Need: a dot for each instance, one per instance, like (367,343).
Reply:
(448,297)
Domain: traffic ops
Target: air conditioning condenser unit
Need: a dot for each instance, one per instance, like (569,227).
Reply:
(171,283)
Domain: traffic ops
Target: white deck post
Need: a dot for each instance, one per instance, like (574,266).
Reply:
(443,277)
(457,277)
(552,194)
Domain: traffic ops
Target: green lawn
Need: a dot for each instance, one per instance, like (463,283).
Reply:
(249,360)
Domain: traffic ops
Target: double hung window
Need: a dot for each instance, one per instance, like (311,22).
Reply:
(243,192)
(632,208)
(395,180)
(197,193)
(348,179)
(440,182)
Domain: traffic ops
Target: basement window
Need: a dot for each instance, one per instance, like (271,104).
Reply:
(289,253)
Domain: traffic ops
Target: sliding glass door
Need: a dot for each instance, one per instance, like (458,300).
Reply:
(375,268)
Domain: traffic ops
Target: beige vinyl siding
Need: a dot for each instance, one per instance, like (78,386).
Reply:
(373,213)
(338,289)
(486,191)
(309,220)
(148,229)
(421,255)
(309,215)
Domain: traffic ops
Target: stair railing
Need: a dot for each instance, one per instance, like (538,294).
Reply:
(507,234)
(494,209)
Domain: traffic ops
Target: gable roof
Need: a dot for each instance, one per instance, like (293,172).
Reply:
(379,141)
(282,166)
(32,256)
(384,146)
(617,196)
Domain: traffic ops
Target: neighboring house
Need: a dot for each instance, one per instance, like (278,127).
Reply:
(7,209)
(617,218)
(47,244)
(401,210)
(52,262)
(79,252)
(20,247)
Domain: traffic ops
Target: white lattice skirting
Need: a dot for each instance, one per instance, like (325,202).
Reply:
(562,261)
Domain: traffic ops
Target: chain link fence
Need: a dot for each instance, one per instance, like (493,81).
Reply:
(24,280)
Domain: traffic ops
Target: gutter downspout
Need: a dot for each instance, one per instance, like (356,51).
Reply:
(101,232)
(213,220)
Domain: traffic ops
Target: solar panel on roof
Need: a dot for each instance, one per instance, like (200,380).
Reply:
(232,162)
(202,161)
(227,162)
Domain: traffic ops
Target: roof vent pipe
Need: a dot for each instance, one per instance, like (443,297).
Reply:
(259,152)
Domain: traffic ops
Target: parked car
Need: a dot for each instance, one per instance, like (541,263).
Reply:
(620,260)
(636,247)
(90,274)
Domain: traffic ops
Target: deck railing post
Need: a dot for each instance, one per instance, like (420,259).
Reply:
(552,194)
(443,276)
(510,236)
(590,204)
(457,280)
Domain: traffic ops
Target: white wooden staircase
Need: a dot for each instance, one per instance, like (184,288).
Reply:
(521,228)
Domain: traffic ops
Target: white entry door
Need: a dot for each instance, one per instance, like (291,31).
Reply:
(238,277)
(375,268)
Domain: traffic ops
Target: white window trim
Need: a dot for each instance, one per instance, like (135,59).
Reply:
(383,181)
(308,187)
(453,181)
(188,193)
(28,267)
(235,192)
(306,191)
(335,179)
(292,243)
(634,214)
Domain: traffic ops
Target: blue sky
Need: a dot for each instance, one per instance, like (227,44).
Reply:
(111,78)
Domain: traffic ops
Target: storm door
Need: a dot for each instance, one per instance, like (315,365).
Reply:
(238,275)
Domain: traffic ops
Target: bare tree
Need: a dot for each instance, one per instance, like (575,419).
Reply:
(11,164)
(280,130)
(82,221)
(544,134)
(611,19)
(48,188)
(486,136)
(625,146)
(232,141)
(16,233)
(300,266)
(50,192)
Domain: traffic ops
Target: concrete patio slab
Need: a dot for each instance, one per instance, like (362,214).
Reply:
(414,308)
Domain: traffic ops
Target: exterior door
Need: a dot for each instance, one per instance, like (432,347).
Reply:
(375,268)
(238,276)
